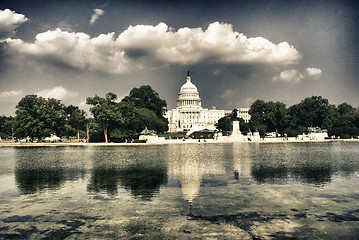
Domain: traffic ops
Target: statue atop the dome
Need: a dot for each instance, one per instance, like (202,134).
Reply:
(188,79)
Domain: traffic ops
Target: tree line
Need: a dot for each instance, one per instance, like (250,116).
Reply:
(38,117)
(340,121)
(114,120)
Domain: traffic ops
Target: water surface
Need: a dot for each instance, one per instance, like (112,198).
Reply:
(185,191)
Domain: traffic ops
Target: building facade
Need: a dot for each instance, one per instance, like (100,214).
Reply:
(244,113)
(190,113)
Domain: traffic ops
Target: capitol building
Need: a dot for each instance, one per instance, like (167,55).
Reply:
(189,112)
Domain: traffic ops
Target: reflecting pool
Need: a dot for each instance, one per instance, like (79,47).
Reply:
(181,191)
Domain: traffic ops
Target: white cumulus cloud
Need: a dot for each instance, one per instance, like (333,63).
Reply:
(315,73)
(97,13)
(8,96)
(290,76)
(218,44)
(9,21)
(58,92)
(76,50)
(147,46)
(294,76)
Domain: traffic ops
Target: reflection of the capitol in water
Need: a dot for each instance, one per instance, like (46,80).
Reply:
(189,164)
(193,162)
(190,176)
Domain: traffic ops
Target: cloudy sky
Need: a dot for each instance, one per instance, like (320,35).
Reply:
(236,51)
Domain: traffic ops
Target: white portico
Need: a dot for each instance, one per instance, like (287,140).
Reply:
(189,112)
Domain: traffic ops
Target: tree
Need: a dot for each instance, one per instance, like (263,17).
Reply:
(312,112)
(89,125)
(7,124)
(344,109)
(149,119)
(76,118)
(345,124)
(257,116)
(39,117)
(225,123)
(137,119)
(268,116)
(275,117)
(146,97)
(106,112)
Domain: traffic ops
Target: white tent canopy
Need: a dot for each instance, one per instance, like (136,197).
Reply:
(201,128)
(52,138)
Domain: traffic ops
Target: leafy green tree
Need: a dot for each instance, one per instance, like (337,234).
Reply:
(76,119)
(106,112)
(346,121)
(244,127)
(90,124)
(149,119)
(257,111)
(137,119)
(39,117)
(138,104)
(268,116)
(7,124)
(275,117)
(225,123)
(312,112)
(146,97)
(344,109)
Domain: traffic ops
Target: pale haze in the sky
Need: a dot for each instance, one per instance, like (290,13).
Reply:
(236,51)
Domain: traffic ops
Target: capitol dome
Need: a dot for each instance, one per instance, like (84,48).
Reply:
(188,95)
(189,87)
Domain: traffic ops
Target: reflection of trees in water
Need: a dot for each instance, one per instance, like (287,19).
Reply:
(141,170)
(142,181)
(104,179)
(268,172)
(34,180)
(43,169)
(315,172)
(313,163)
